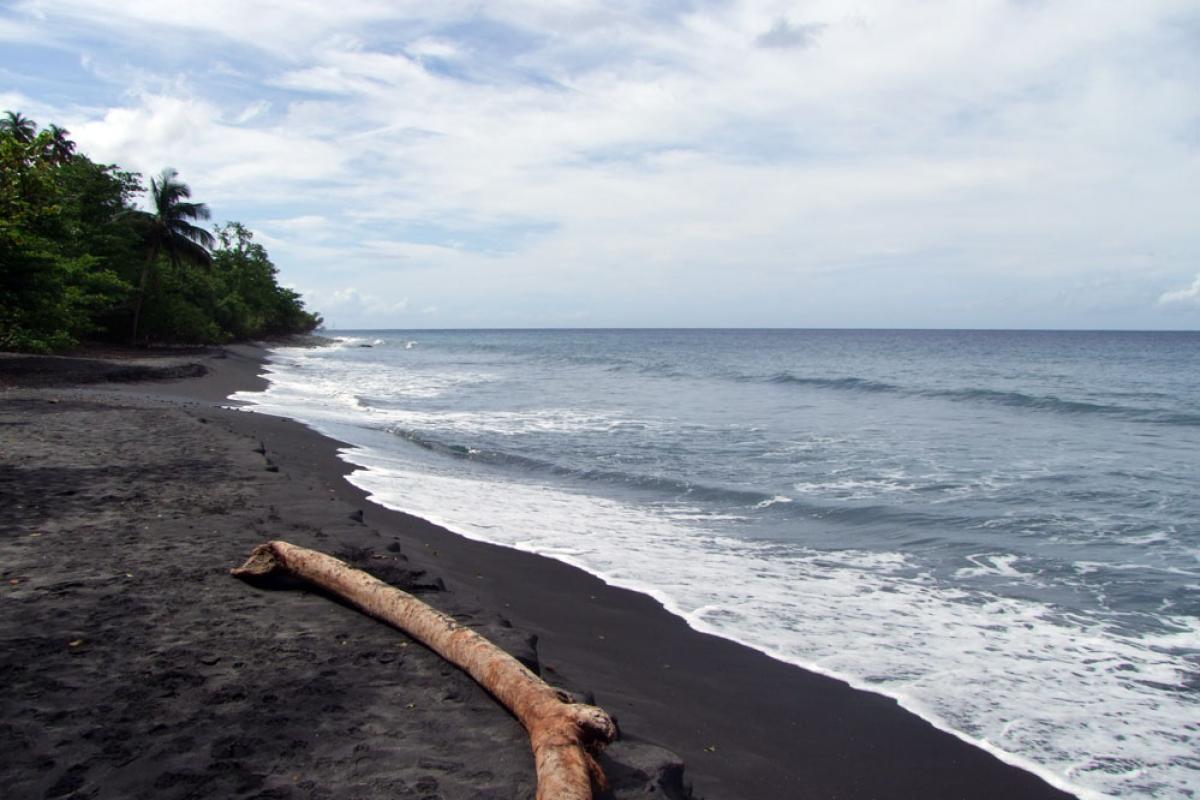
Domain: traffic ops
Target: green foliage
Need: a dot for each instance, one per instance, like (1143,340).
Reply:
(179,307)
(78,259)
(18,126)
(253,303)
(51,287)
(168,231)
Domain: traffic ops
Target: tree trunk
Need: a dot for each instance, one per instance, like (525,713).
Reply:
(563,734)
(141,297)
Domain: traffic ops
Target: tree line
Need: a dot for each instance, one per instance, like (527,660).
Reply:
(80,261)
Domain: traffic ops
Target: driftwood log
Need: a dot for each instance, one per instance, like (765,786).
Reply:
(564,735)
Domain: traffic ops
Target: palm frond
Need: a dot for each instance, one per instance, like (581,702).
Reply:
(21,127)
(190,211)
(61,148)
(171,230)
(186,250)
(194,233)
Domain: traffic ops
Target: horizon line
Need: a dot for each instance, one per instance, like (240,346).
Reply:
(771,328)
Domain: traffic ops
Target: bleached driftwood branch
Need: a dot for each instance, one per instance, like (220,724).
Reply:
(563,734)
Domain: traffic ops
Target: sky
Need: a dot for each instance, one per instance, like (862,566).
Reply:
(516,163)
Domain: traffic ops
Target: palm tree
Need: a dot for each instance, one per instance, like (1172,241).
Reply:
(60,148)
(21,127)
(169,231)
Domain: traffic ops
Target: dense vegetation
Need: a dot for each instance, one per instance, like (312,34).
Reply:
(79,260)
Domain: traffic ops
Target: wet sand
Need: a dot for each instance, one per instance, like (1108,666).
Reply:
(135,666)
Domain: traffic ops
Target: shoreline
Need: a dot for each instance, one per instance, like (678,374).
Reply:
(745,724)
(698,627)
(662,607)
(137,667)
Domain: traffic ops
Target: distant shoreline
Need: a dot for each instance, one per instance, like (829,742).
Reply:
(336,332)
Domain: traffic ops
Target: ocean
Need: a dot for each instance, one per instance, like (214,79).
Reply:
(1000,529)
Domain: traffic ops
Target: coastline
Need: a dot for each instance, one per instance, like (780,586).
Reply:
(745,724)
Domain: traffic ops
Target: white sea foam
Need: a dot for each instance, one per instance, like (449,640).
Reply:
(1064,695)
(853,488)
(1154,537)
(991,564)
(551,420)
(779,498)
(369,377)
(1085,567)
(310,389)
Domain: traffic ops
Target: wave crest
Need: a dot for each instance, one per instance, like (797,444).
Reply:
(1010,399)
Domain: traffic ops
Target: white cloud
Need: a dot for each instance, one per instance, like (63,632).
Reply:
(251,111)
(21,33)
(349,300)
(417,253)
(787,34)
(1188,295)
(433,47)
(307,222)
(587,151)
(219,159)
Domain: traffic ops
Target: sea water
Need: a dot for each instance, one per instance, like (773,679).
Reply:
(1001,530)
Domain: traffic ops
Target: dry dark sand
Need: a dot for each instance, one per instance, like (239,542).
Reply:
(133,666)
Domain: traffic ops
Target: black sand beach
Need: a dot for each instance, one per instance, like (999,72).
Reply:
(134,666)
